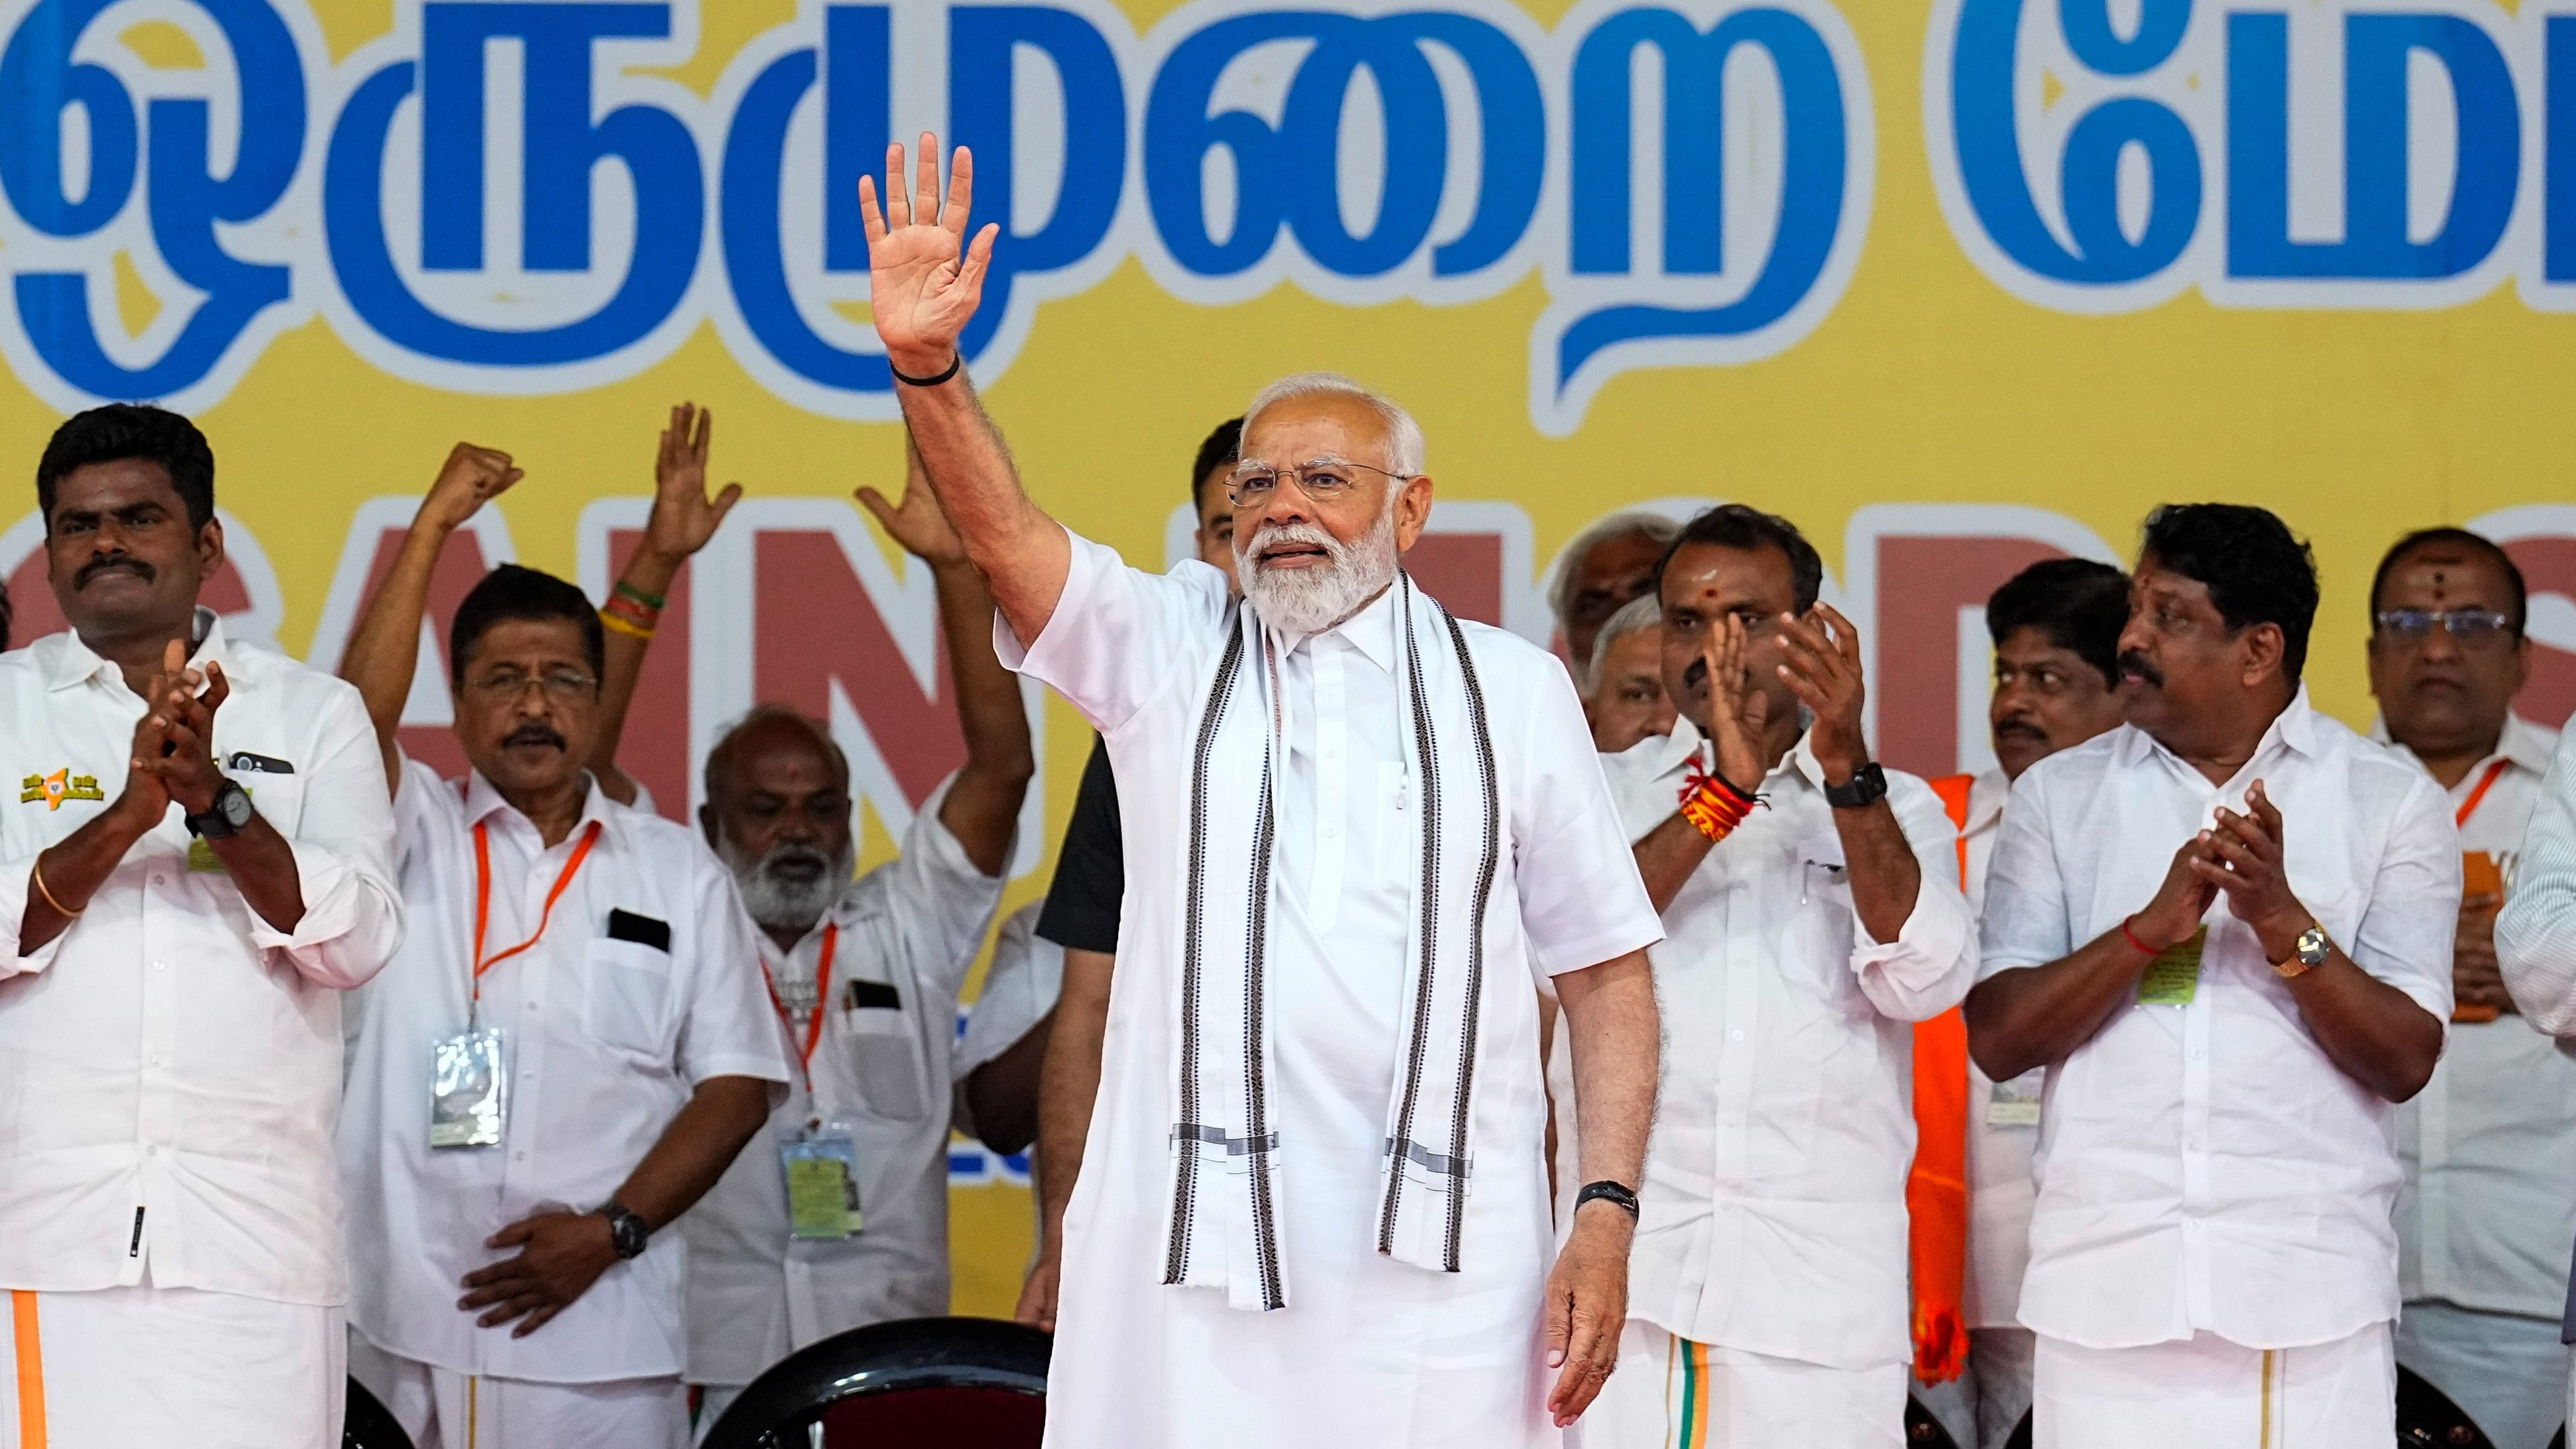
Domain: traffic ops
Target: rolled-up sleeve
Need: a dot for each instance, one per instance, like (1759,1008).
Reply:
(1118,635)
(2535,934)
(1582,901)
(1932,962)
(343,846)
(16,881)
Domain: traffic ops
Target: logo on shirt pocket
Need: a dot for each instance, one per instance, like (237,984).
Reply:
(58,787)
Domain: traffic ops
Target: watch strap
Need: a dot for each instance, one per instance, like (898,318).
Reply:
(1607,1191)
(217,823)
(626,1228)
(1866,787)
(2307,955)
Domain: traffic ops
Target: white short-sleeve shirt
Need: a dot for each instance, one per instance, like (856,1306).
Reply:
(610,1025)
(2205,1168)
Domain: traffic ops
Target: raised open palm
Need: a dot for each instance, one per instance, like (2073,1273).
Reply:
(923,280)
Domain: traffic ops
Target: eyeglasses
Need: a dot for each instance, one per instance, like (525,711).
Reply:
(1321,482)
(2467,627)
(563,686)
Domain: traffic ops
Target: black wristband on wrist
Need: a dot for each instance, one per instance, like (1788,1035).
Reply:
(1607,1191)
(908,380)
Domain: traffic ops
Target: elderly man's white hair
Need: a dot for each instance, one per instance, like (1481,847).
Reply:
(1403,435)
(1560,590)
(1646,611)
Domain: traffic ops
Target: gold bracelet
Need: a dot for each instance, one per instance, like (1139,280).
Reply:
(620,623)
(36,870)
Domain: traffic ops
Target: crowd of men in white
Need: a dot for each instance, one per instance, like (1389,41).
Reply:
(1421,1047)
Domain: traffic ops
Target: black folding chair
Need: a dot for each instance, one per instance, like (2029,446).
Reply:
(2427,1419)
(925,1382)
(369,1424)
(1922,1431)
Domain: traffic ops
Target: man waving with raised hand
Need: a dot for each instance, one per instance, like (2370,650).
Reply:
(1358,827)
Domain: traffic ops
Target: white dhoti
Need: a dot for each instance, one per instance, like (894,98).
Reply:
(147,1368)
(1671,1393)
(2505,1371)
(443,1409)
(2212,1394)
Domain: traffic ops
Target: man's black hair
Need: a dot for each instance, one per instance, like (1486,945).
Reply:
(2460,538)
(511,592)
(1736,526)
(2256,571)
(118,431)
(1221,447)
(2081,606)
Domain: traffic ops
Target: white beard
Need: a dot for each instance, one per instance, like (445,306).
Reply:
(782,904)
(1309,600)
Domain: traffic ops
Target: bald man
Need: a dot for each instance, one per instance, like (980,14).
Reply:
(839,1217)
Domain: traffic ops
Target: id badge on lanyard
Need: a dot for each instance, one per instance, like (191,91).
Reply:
(820,1159)
(469,1073)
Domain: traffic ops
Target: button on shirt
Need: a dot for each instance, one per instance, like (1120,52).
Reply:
(606,1039)
(904,936)
(2205,1167)
(170,1063)
(2489,1145)
(1773,1211)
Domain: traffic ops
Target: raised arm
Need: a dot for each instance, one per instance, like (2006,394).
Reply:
(682,521)
(924,283)
(384,649)
(983,807)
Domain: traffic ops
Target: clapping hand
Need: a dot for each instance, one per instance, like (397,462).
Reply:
(1737,717)
(174,741)
(2245,862)
(1825,674)
(923,279)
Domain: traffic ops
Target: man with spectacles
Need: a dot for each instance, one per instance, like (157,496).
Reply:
(1357,827)
(2225,930)
(198,864)
(573,1042)
(2490,1143)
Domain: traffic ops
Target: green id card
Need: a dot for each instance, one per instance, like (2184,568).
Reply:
(822,1187)
(2173,978)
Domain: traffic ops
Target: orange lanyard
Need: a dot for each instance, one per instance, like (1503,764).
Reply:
(483,898)
(2477,796)
(822,1000)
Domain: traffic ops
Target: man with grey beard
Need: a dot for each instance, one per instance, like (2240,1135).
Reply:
(1356,828)
(838,1217)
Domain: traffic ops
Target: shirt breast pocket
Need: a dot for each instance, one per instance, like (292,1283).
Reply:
(877,1039)
(629,996)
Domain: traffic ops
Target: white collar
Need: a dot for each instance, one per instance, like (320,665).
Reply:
(482,802)
(64,661)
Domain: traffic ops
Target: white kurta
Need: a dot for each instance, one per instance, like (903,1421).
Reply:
(1368,1351)
(1773,1211)
(903,937)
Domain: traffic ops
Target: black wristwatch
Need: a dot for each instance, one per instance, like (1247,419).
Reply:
(226,818)
(1866,787)
(625,1229)
(1608,1191)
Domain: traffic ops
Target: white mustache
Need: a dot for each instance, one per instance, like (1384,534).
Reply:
(1268,534)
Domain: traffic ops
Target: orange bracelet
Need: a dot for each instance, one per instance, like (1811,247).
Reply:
(1712,805)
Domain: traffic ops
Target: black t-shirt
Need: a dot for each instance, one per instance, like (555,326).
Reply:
(1081,911)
